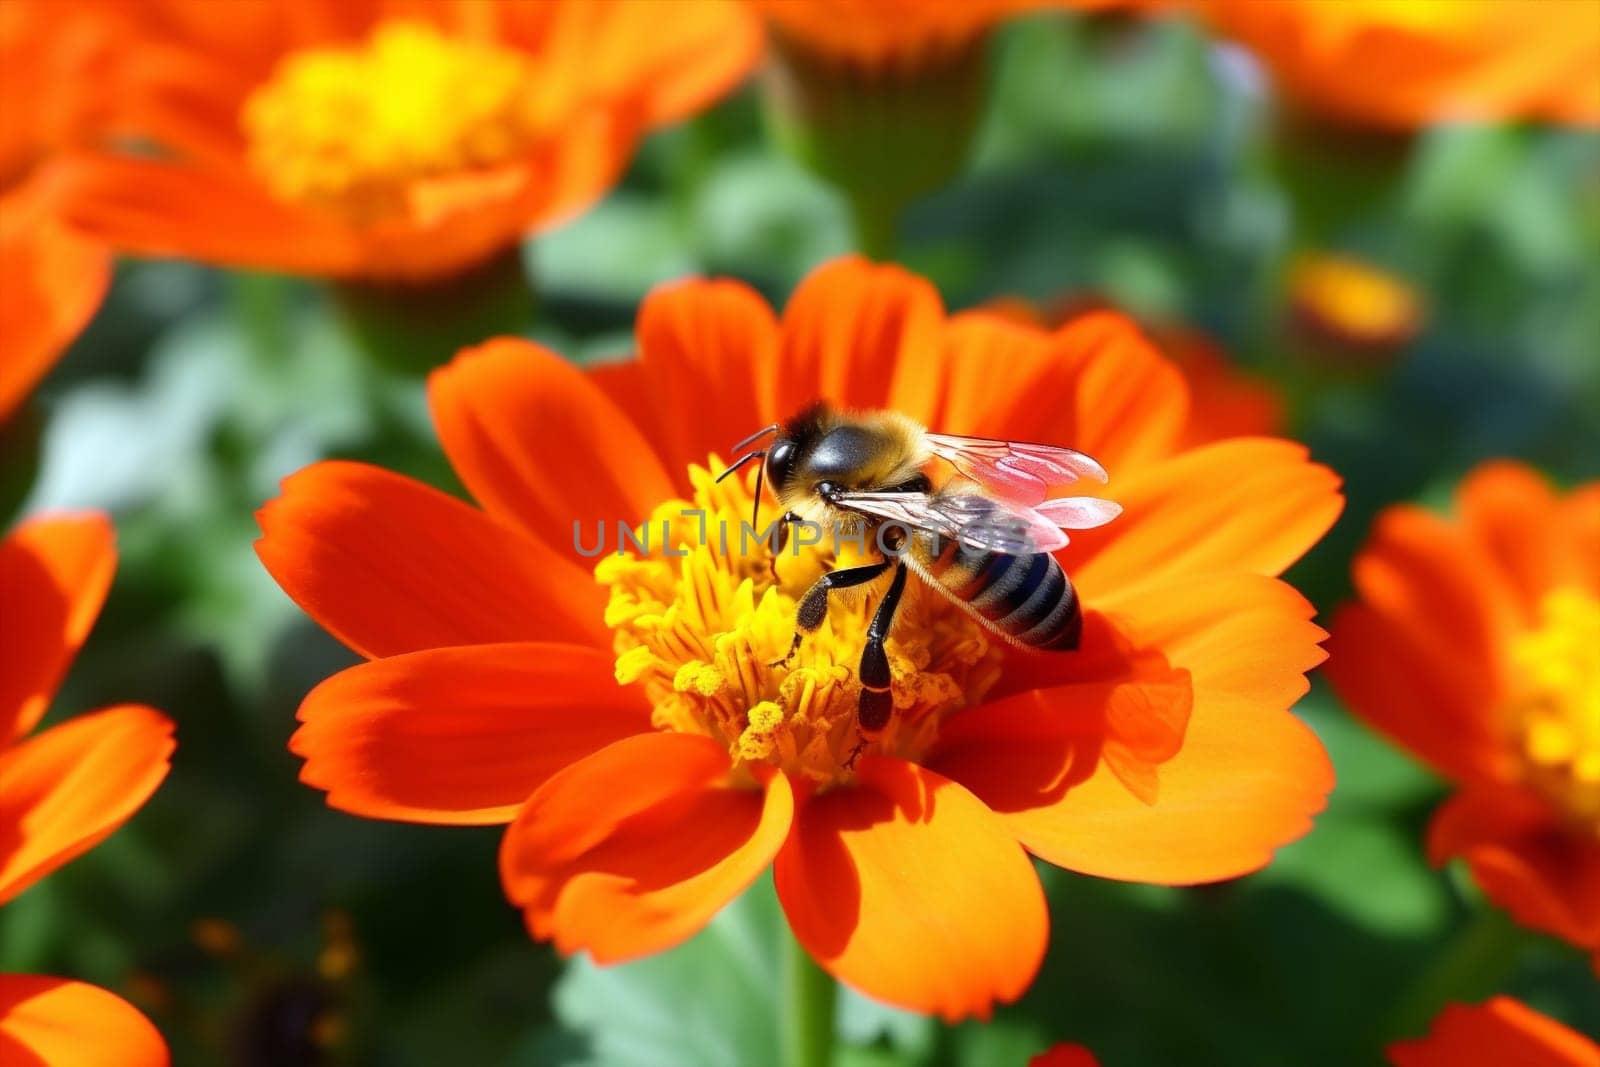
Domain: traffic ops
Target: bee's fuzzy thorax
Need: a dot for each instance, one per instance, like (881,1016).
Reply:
(885,449)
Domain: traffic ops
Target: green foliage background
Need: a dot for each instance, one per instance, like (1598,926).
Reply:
(1120,158)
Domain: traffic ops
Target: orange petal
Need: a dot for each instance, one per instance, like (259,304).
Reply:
(1419,570)
(388,565)
(165,209)
(66,790)
(540,446)
(635,848)
(1023,753)
(1130,402)
(906,887)
(1427,705)
(1435,605)
(1525,860)
(1252,505)
(1516,519)
(456,221)
(1224,399)
(709,351)
(460,735)
(627,54)
(972,399)
(625,382)
(1247,778)
(54,573)
(55,1022)
(55,279)
(848,330)
(1501,1032)
(1096,385)
(1065,1056)
(1580,522)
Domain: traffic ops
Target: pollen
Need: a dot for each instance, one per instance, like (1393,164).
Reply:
(350,129)
(1558,707)
(702,624)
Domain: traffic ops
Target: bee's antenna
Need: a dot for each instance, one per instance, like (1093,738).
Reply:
(740,462)
(755,512)
(753,438)
(761,474)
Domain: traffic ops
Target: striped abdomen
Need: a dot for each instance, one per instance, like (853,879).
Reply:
(1027,598)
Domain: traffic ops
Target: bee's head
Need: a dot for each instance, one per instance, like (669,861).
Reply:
(790,456)
(781,456)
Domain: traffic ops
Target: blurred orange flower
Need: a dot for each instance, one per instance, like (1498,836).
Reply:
(1351,310)
(1476,645)
(1224,399)
(396,139)
(1501,1032)
(65,790)
(58,73)
(1406,63)
(1163,751)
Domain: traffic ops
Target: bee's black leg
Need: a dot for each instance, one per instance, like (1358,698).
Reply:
(814,605)
(785,524)
(877,702)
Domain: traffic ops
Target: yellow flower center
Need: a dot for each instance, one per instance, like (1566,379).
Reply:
(700,622)
(1558,708)
(1356,301)
(349,129)
(1408,15)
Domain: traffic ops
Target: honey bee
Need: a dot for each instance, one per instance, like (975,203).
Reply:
(983,538)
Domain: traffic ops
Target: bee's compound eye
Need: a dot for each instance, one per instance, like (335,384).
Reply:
(780,463)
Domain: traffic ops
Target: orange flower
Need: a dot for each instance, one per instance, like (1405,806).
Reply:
(65,790)
(1162,752)
(1406,63)
(1499,1033)
(1476,645)
(392,139)
(54,280)
(59,60)
(1350,310)
(1224,400)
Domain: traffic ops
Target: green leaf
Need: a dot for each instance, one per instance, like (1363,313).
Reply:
(711,1002)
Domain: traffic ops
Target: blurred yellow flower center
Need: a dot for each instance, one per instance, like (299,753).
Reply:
(349,129)
(1415,15)
(1559,708)
(701,631)
(1354,300)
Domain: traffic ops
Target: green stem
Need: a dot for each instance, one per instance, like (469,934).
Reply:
(415,326)
(262,306)
(809,999)
(1473,965)
(877,222)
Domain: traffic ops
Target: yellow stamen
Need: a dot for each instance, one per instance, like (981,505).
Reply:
(1557,709)
(349,128)
(701,631)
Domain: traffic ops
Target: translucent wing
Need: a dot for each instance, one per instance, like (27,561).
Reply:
(977,521)
(1079,512)
(1021,472)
